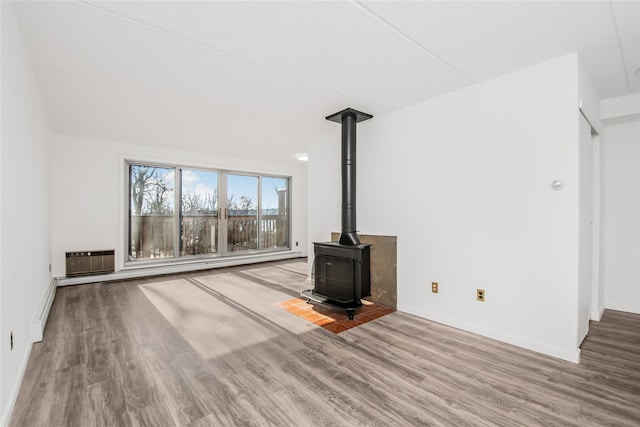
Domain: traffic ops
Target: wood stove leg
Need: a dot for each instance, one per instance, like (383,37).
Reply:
(351,312)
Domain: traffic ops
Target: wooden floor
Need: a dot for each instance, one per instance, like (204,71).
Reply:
(131,353)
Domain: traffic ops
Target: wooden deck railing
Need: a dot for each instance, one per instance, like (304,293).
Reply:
(152,236)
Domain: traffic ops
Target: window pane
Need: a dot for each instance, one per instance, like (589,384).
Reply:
(199,222)
(242,199)
(151,222)
(275,232)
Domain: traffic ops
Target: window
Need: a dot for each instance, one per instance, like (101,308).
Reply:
(242,212)
(152,212)
(199,213)
(186,212)
(275,232)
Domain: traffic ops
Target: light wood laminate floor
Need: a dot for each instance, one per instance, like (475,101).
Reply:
(213,349)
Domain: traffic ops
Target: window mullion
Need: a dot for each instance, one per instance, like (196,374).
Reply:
(129,210)
(222,234)
(178,212)
(260,244)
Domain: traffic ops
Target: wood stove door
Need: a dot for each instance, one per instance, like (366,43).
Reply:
(334,278)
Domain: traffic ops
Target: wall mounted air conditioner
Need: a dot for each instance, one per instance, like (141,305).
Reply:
(83,263)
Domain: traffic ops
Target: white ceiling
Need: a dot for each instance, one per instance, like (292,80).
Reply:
(257,78)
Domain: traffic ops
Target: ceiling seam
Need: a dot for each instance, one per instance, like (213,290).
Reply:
(620,50)
(236,57)
(406,37)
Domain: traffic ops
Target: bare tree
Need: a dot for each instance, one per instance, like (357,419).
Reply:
(231,203)
(193,203)
(141,177)
(244,204)
(151,193)
(211,202)
(159,196)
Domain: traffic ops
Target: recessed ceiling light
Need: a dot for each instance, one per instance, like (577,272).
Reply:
(303,157)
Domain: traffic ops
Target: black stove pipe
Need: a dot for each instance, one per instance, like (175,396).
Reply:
(349,234)
(348,118)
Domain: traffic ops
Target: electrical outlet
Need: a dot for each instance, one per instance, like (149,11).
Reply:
(480,295)
(11,341)
(434,287)
(296,243)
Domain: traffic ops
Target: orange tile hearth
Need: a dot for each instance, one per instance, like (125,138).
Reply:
(334,319)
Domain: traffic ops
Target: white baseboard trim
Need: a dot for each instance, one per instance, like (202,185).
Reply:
(568,355)
(37,330)
(623,307)
(40,322)
(177,267)
(13,395)
(596,316)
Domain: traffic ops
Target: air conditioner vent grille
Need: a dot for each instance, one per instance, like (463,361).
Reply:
(82,263)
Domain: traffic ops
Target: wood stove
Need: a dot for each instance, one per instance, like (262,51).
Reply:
(342,269)
(341,275)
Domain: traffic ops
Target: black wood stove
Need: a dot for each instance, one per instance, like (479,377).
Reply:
(342,269)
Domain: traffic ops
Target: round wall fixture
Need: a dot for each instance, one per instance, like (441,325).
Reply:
(557,185)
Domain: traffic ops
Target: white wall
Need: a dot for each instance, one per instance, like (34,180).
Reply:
(324,184)
(89,191)
(585,228)
(621,109)
(589,99)
(622,203)
(590,288)
(464,182)
(25,199)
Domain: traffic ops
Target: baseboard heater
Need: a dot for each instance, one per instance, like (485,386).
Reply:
(85,263)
